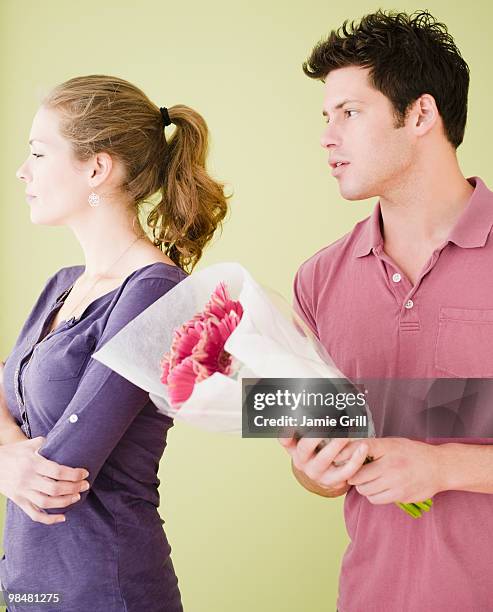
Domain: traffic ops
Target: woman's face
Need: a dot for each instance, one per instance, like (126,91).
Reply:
(57,185)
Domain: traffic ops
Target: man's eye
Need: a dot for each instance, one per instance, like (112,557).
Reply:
(347,113)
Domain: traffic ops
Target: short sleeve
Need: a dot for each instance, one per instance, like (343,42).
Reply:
(105,403)
(303,299)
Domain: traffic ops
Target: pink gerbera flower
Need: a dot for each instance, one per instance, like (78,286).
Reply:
(197,348)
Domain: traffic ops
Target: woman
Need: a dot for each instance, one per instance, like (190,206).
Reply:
(67,422)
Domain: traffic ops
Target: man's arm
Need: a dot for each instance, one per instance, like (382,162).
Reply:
(408,471)
(467,467)
(402,471)
(309,466)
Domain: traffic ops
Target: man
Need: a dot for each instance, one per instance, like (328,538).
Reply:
(406,293)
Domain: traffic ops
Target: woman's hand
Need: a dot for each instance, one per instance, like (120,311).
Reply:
(33,482)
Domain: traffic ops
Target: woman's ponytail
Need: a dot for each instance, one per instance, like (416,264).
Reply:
(193,204)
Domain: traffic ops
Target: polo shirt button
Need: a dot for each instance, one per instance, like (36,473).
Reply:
(396,277)
(73,418)
(409,304)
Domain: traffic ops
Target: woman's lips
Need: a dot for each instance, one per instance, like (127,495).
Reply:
(29,197)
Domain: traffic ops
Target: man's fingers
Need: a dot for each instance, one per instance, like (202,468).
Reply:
(48,468)
(337,475)
(373,487)
(321,462)
(347,452)
(367,473)
(307,447)
(385,497)
(288,443)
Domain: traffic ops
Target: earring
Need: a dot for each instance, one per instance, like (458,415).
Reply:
(93,199)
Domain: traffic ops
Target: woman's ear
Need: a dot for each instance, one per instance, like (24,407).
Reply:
(100,169)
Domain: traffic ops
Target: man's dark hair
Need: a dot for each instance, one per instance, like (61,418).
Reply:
(407,56)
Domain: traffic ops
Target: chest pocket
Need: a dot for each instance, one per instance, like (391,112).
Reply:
(464,345)
(66,356)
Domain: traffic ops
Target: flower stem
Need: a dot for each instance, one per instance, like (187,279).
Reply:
(415,509)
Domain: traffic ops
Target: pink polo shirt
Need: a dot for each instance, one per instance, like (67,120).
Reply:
(375,323)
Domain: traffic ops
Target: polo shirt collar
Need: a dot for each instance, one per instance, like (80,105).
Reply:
(371,235)
(471,230)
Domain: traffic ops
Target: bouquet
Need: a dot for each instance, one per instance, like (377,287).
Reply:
(191,349)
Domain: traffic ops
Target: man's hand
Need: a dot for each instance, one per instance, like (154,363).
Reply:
(316,469)
(33,482)
(403,471)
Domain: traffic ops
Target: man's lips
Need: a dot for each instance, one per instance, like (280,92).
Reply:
(333,163)
(338,167)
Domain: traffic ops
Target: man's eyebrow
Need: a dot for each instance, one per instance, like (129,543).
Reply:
(340,105)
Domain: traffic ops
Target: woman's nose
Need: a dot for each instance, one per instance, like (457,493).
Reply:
(21,173)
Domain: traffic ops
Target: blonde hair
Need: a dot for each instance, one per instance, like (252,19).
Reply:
(105,113)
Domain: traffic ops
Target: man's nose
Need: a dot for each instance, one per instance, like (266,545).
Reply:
(330,136)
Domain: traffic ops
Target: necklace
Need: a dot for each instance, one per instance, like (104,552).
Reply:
(101,276)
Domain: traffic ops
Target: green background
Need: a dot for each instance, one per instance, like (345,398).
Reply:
(245,536)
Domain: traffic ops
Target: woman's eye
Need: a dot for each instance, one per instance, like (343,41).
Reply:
(36,155)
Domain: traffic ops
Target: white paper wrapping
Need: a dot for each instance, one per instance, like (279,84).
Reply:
(270,341)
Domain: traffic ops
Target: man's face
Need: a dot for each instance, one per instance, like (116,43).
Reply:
(361,132)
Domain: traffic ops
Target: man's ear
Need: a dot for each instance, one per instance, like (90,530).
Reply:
(423,114)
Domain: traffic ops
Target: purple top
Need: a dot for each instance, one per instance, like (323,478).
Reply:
(111,554)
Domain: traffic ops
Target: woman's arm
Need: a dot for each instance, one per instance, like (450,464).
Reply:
(28,479)
(9,430)
(105,404)
(34,483)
